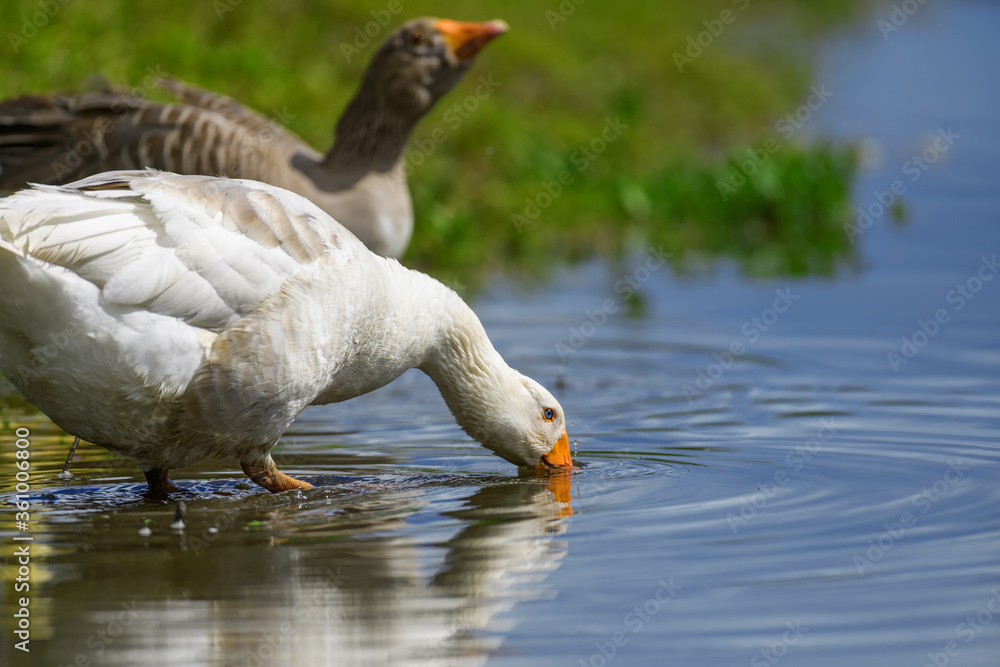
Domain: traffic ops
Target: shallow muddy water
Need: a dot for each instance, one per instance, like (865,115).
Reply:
(770,472)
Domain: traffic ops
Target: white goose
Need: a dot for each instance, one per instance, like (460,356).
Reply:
(171,318)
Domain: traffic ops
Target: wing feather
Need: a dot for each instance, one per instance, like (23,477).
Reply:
(203,250)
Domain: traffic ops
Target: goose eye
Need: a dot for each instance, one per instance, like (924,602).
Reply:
(418,38)
(548,414)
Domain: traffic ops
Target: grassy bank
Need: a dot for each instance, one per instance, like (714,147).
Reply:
(606,123)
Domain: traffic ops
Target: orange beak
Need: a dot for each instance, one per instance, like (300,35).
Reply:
(466,39)
(559,456)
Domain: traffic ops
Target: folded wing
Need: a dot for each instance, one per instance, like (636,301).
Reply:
(203,250)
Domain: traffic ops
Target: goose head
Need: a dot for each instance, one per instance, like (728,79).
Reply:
(511,415)
(424,58)
(534,432)
(419,62)
(508,413)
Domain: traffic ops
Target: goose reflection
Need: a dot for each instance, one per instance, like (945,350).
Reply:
(409,576)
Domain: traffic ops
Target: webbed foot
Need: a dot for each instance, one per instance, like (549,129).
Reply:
(159,485)
(267,475)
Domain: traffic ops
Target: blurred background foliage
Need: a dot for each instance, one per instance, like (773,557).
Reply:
(565,72)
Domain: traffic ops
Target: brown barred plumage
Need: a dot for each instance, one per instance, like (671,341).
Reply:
(360,181)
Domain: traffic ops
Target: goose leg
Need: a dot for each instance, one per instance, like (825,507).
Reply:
(159,485)
(267,475)
(69,459)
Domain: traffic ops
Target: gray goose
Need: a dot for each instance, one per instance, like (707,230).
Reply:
(360,181)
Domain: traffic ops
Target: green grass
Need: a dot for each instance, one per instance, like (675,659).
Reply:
(656,182)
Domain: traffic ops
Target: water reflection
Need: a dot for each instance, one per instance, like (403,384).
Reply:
(408,571)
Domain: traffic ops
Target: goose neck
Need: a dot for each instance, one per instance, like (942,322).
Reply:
(467,369)
(370,136)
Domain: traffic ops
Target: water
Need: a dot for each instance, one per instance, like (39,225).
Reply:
(802,502)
